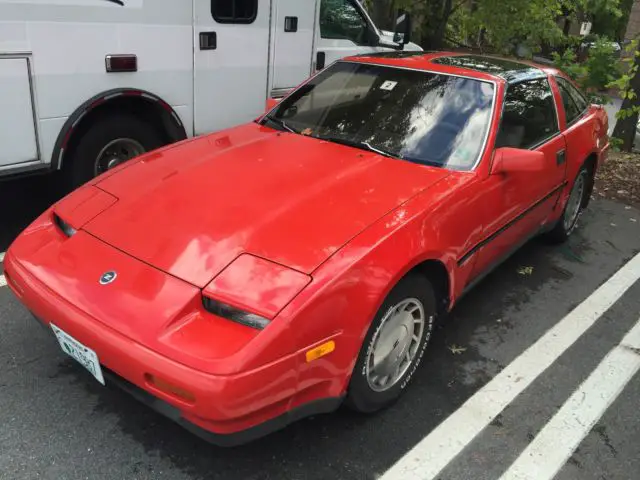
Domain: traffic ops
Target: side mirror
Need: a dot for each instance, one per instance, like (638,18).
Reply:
(402,31)
(507,159)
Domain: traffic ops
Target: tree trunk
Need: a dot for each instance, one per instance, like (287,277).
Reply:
(434,26)
(625,128)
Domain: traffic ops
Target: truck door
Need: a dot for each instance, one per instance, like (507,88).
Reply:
(293,33)
(18,143)
(231,62)
(345,30)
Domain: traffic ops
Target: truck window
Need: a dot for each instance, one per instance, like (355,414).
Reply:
(234,11)
(341,20)
(529,116)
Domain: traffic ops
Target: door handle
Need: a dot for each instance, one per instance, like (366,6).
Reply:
(208,40)
(561,157)
(321,58)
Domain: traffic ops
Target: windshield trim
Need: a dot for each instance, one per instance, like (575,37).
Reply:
(436,72)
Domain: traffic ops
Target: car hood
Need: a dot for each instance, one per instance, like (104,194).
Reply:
(295,200)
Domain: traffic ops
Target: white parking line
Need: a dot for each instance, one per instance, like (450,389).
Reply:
(447,440)
(556,442)
(3,280)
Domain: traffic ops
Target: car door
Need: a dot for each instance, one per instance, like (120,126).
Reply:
(293,33)
(344,30)
(231,62)
(517,204)
(580,126)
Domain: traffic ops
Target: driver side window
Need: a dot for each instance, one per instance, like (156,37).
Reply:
(341,20)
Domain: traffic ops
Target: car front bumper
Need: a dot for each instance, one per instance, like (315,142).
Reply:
(221,412)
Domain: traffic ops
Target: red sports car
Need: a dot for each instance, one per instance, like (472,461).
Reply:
(239,281)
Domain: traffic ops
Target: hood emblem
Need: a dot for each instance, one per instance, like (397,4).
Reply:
(108,277)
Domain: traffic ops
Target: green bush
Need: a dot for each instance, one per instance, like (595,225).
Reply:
(602,65)
(568,63)
(600,69)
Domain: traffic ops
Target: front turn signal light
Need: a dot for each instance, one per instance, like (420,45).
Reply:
(320,351)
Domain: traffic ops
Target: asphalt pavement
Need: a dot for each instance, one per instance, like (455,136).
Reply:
(57,422)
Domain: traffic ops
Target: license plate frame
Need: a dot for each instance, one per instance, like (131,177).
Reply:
(82,354)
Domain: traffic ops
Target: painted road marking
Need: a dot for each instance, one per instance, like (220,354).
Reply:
(3,280)
(434,452)
(556,442)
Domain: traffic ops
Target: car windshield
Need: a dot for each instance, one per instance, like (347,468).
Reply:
(423,117)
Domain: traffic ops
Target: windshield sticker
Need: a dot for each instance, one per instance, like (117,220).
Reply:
(388,85)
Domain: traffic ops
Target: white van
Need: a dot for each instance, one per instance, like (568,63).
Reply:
(88,84)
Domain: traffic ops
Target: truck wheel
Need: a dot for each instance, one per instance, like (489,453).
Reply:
(394,345)
(108,142)
(572,210)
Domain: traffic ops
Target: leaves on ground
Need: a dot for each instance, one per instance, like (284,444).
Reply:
(525,271)
(457,350)
(619,178)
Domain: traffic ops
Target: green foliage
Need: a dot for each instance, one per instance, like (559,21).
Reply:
(627,116)
(609,17)
(568,63)
(602,65)
(506,25)
(623,82)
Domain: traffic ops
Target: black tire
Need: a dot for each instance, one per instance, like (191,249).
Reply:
(80,165)
(561,231)
(360,395)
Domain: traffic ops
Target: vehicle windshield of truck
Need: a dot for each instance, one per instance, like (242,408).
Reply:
(418,116)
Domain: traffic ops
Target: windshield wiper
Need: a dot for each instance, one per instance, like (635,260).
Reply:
(362,145)
(118,2)
(281,123)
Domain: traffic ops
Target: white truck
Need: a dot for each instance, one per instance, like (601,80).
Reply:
(88,84)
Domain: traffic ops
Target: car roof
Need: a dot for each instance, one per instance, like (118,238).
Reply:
(483,67)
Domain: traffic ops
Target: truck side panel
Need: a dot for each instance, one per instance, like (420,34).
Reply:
(18,143)
(67,41)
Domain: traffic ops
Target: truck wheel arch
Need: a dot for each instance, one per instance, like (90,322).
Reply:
(139,102)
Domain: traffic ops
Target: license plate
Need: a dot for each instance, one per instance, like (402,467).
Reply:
(83,355)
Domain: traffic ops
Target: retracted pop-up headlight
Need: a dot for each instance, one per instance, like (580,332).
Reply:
(252,291)
(72,212)
(67,229)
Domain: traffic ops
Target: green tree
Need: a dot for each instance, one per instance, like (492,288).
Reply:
(502,25)
(629,86)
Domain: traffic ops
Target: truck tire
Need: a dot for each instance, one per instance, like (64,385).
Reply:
(108,142)
(394,345)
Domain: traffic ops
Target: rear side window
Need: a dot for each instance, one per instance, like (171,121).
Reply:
(577,97)
(571,109)
(529,115)
(234,11)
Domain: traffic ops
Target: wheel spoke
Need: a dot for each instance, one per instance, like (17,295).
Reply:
(396,372)
(413,308)
(415,337)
